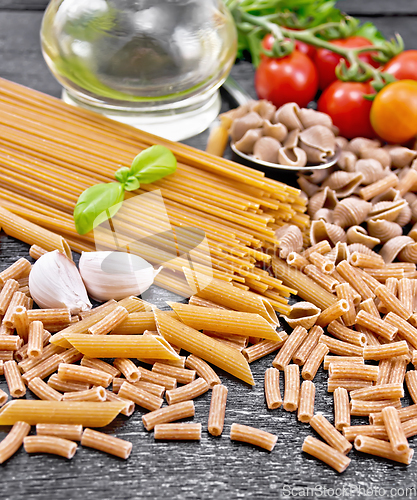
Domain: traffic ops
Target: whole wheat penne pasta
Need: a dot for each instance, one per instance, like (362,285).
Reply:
(199,301)
(98,364)
(406,293)
(122,346)
(391,302)
(186,392)
(262,348)
(371,338)
(291,387)
(341,348)
(384,372)
(303,352)
(272,391)
(398,370)
(350,274)
(111,304)
(322,247)
(6,330)
(168,414)
(306,405)
(31,233)
(178,432)
(329,433)
(66,386)
(70,432)
(94,394)
(326,454)
(414,358)
(296,260)
(128,369)
(203,346)
(341,408)
(135,304)
(157,378)
(71,355)
(348,384)
(14,440)
(385,351)
(17,270)
(203,370)
(411,381)
(21,354)
(333,312)
(3,397)
(341,359)
(59,412)
(129,405)
(18,299)
(109,322)
(292,344)
(379,392)
(50,444)
(109,444)
(358,259)
(9,288)
(369,280)
(405,330)
(233,341)
(384,273)
(178,363)
(10,342)
(140,397)
(406,413)
(376,325)
(375,431)
(394,429)
(253,436)
(314,361)
(135,323)
(6,356)
(379,448)
(343,293)
(308,289)
(14,380)
(351,371)
(410,428)
(52,319)
(35,251)
(221,320)
(362,408)
(325,265)
(345,334)
(325,281)
(229,296)
(183,376)
(370,307)
(35,340)
(378,187)
(21,322)
(43,390)
(217,410)
(29,363)
(84,374)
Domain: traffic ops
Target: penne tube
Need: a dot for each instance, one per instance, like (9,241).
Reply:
(5,356)
(384,372)
(14,380)
(394,429)
(410,428)
(21,322)
(325,265)
(414,358)
(370,307)
(14,440)
(35,339)
(360,408)
(325,281)
(178,432)
(358,259)
(186,392)
(391,302)
(168,414)
(341,348)
(314,361)
(378,187)
(59,412)
(351,371)
(129,405)
(350,274)
(375,431)
(406,413)
(10,342)
(203,346)
(82,374)
(98,364)
(121,346)
(183,376)
(405,330)
(18,299)
(109,444)
(326,454)
(70,432)
(35,251)
(135,323)
(335,311)
(306,406)
(217,410)
(134,304)
(94,394)
(292,344)
(341,359)
(322,247)
(10,286)
(203,370)
(411,381)
(329,433)
(66,386)
(371,338)
(21,354)
(3,397)
(21,268)
(345,334)
(178,363)
(31,233)
(406,293)
(291,387)
(128,368)
(341,408)
(296,260)
(343,292)
(272,391)
(348,384)
(140,397)
(52,319)
(198,301)
(225,321)
(70,356)
(385,351)
(398,370)
(379,392)
(109,322)
(262,348)
(376,325)
(385,273)
(379,448)
(43,390)
(253,436)
(50,444)
(304,351)
(157,378)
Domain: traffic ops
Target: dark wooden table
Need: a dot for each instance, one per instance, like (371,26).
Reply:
(216,467)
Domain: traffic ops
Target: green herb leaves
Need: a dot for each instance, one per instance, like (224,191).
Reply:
(102,201)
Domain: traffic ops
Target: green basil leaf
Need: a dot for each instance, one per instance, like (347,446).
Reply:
(96,204)
(153,163)
(131,183)
(122,174)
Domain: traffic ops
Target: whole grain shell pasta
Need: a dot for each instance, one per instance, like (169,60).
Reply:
(109,444)
(306,405)
(50,444)
(272,391)
(292,387)
(14,440)
(217,410)
(290,239)
(303,314)
(253,436)
(326,454)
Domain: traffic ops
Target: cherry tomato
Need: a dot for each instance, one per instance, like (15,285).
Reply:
(403,66)
(349,110)
(303,47)
(394,111)
(326,60)
(292,78)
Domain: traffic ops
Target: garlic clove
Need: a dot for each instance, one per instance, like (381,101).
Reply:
(115,275)
(55,282)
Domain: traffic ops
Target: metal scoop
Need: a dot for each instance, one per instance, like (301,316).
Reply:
(242,97)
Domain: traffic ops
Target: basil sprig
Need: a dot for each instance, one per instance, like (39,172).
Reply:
(102,201)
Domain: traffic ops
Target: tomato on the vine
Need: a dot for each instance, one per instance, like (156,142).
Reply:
(326,60)
(394,111)
(403,66)
(292,78)
(349,110)
(303,47)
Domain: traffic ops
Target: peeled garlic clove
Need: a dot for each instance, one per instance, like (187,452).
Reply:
(115,275)
(55,282)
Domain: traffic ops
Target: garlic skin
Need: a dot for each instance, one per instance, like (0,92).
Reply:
(55,282)
(115,275)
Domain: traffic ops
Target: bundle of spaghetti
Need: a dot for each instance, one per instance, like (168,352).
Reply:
(50,152)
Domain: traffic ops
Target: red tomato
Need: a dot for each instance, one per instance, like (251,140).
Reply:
(403,66)
(326,60)
(292,78)
(345,103)
(303,47)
